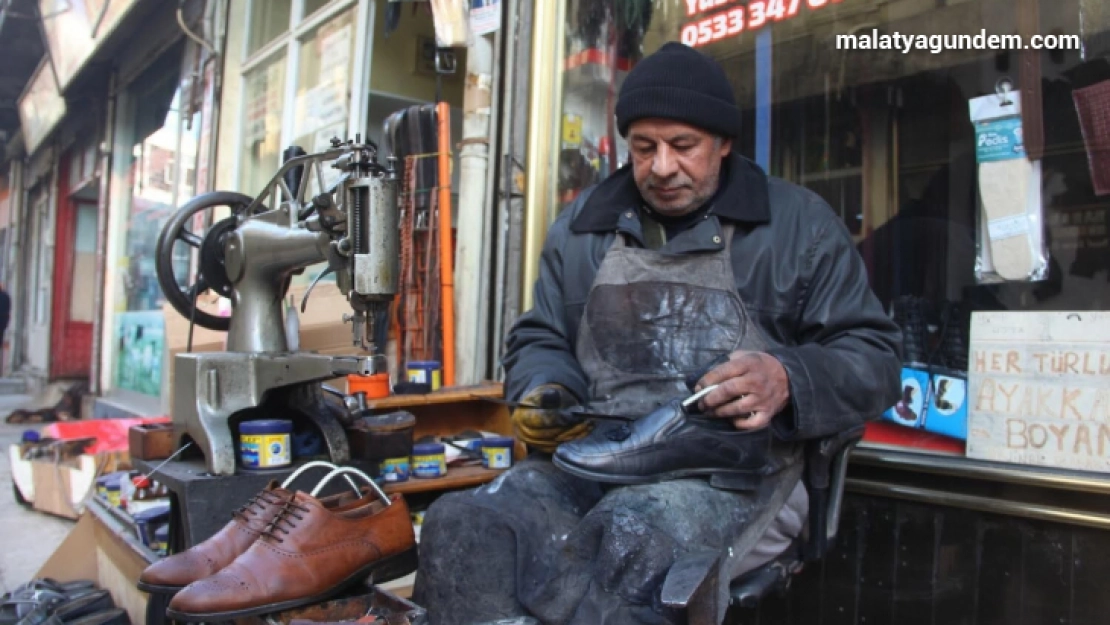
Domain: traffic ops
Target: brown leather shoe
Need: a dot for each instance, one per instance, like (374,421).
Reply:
(171,574)
(306,555)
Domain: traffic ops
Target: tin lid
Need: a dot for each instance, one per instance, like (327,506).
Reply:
(266,426)
(424,364)
(497,441)
(392,422)
(427,449)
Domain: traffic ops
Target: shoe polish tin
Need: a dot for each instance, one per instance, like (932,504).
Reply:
(395,469)
(497,453)
(429,460)
(265,444)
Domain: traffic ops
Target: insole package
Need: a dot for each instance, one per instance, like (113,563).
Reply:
(1011,232)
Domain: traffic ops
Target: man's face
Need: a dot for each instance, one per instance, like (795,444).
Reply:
(676,166)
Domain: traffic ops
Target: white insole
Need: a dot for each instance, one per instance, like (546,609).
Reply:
(1004,190)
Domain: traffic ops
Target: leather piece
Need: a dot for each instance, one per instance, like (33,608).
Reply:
(219,550)
(308,552)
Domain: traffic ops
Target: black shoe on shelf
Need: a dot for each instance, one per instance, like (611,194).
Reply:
(954,340)
(910,314)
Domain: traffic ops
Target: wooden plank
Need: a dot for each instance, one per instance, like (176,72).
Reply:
(1000,573)
(879,563)
(1047,570)
(955,590)
(915,585)
(1038,389)
(450,395)
(457,477)
(841,592)
(1090,603)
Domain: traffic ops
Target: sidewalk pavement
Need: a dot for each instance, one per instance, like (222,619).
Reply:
(27,538)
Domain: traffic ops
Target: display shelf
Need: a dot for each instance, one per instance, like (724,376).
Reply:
(123,527)
(457,477)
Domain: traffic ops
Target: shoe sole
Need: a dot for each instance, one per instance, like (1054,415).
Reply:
(392,567)
(718,478)
(158,589)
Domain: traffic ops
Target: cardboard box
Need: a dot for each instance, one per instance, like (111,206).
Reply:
(61,487)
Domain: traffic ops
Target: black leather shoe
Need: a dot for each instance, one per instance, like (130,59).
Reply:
(668,444)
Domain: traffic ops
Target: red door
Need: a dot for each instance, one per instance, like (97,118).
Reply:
(71,327)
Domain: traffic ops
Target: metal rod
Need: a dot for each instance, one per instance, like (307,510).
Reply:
(982,504)
(969,467)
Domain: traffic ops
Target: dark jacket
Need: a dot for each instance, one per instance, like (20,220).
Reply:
(796,269)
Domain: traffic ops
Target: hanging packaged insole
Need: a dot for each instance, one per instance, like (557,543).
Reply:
(1011,231)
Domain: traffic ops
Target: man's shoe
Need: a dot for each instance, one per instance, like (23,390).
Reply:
(171,574)
(669,444)
(306,555)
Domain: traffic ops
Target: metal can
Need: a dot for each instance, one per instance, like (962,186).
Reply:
(265,444)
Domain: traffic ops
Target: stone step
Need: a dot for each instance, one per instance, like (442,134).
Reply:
(13,386)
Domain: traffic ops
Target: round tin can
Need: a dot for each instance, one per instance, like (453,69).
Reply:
(265,444)
(497,453)
(424,372)
(395,469)
(429,460)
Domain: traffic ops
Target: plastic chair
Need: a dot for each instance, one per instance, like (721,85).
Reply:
(691,584)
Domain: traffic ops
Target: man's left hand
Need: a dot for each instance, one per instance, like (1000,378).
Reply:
(752,388)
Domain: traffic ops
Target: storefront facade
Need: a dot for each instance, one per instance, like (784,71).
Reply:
(898,143)
(109,127)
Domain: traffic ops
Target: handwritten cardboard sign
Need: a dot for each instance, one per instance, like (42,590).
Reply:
(1039,389)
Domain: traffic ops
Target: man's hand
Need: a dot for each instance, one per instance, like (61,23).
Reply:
(753,388)
(547,425)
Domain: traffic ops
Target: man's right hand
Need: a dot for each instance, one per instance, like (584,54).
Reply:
(546,425)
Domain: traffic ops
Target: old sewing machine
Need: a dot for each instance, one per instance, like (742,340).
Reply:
(249,257)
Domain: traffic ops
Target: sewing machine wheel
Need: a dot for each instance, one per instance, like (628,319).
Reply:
(212,274)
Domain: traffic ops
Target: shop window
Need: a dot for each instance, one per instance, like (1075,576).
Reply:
(43,231)
(81,299)
(164,147)
(887,139)
(323,83)
(312,6)
(268,20)
(261,145)
(318,54)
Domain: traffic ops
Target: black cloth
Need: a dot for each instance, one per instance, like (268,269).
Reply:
(796,269)
(678,82)
(542,542)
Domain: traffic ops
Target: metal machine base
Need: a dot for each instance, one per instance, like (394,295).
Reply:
(213,390)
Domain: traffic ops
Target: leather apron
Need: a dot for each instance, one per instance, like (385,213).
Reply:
(651,318)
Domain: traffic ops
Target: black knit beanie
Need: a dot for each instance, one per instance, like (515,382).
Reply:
(678,82)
